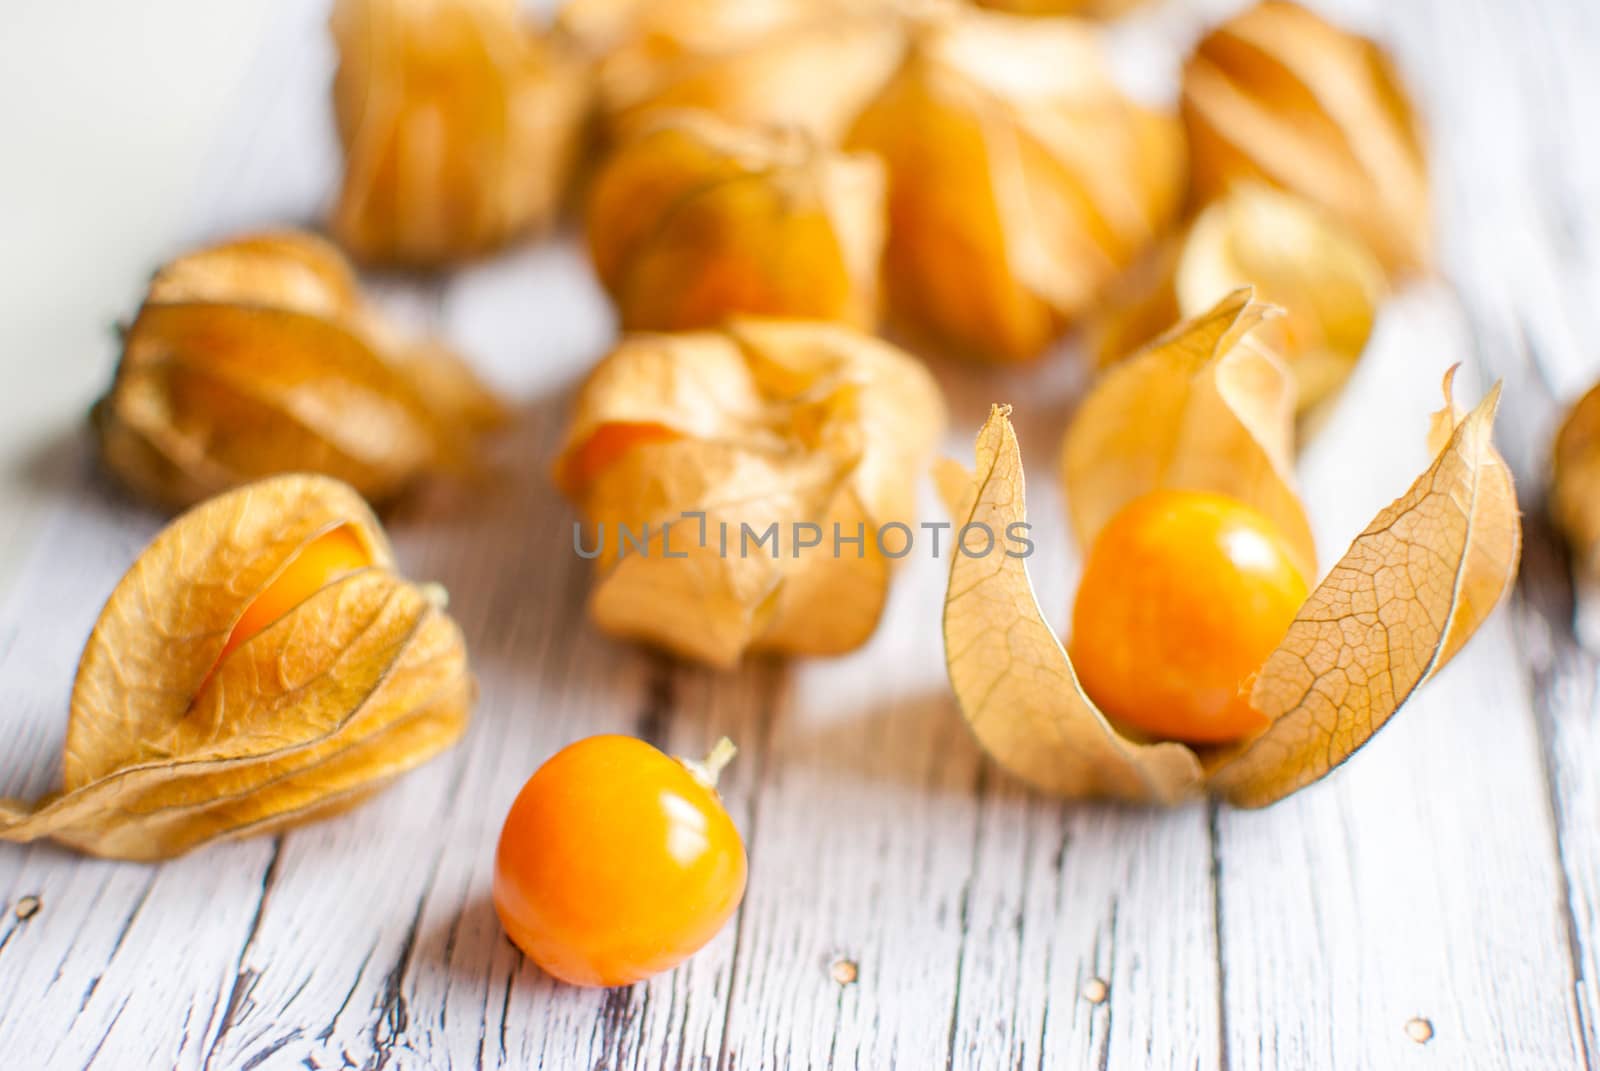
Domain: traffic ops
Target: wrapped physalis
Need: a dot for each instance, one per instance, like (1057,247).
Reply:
(1575,486)
(1278,95)
(810,64)
(1323,278)
(1021,180)
(1097,9)
(258,356)
(694,219)
(460,127)
(1204,657)
(260,665)
(748,489)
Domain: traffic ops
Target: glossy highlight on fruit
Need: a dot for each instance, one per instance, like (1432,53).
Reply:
(617,862)
(1184,595)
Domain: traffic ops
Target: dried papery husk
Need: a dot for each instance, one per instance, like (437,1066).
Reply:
(460,127)
(1399,605)
(1277,95)
(1391,612)
(1015,684)
(1021,180)
(1205,407)
(1575,485)
(1140,306)
(1097,9)
(168,748)
(809,64)
(258,356)
(765,422)
(695,220)
(301,272)
(1327,283)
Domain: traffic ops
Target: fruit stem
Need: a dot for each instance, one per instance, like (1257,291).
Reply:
(707,770)
(721,754)
(434,593)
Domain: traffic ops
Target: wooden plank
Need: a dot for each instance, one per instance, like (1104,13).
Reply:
(133,964)
(1426,881)
(1365,901)
(865,837)
(1440,875)
(1089,938)
(426,972)
(104,163)
(1566,692)
(106,963)
(1062,896)
(1525,170)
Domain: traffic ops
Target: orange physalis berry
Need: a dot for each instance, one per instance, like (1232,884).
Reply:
(334,554)
(1184,595)
(617,862)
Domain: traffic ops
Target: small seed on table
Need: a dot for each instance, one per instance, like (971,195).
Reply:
(1095,991)
(27,907)
(1419,1030)
(844,971)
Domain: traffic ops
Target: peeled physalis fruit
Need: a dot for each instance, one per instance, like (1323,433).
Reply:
(460,127)
(735,485)
(1320,275)
(1575,487)
(616,862)
(1183,595)
(260,665)
(1391,612)
(258,356)
(694,220)
(1277,95)
(810,64)
(1021,180)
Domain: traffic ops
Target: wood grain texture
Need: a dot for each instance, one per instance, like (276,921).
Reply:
(1526,278)
(909,906)
(1409,867)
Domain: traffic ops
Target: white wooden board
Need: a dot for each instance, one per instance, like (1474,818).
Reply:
(1451,873)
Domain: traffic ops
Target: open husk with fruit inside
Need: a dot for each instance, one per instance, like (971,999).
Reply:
(262,664)
(1205,408)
